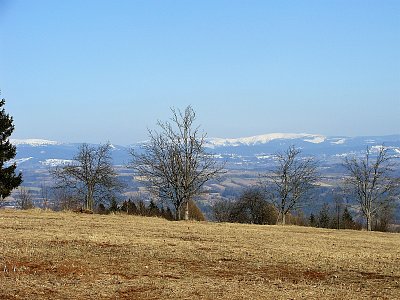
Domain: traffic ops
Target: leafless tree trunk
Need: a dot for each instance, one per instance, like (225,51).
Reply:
(370,180)
(44,192)
(292,180)
(24,198)
(64,199)
(338,200)
(91,173)
(174,162)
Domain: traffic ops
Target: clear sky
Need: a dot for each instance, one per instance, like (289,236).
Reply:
(97,71)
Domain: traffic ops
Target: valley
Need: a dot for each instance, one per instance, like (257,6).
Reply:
(246,160)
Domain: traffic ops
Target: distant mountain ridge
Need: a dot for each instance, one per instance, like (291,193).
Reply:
(263,139)
(215,142)
(298,137)
(325,147)
(33,142)
(244,158)
(37,153)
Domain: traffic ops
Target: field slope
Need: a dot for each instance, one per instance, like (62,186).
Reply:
(46,255)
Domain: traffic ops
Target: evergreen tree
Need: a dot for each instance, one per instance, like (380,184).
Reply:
(323,216)
(312,220)
(101,209)
(347,220)
(153,209)
(141,208)
(113,205)
(129,207)
(168,214)
(8,179)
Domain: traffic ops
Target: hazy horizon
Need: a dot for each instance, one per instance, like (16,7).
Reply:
(44,139)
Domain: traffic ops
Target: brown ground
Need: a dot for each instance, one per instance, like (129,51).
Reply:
(46,255)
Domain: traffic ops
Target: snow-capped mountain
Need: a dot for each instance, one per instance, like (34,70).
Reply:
(310,144)
(41,153)
(37,154)
(245,158)
(33,142)
(263,139)
(300,138)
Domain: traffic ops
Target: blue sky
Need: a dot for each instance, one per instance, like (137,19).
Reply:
(96,71)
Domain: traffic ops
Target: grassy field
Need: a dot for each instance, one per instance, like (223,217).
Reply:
(46,255)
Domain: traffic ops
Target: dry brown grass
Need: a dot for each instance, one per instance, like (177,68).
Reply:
(46,255)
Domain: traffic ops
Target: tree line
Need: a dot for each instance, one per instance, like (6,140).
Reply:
(174,164)
(253,207)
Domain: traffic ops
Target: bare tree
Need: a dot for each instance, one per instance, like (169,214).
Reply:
(91,174)
(372,182)
(65,199)
(292,180)
(44,193)
(174,162)
(338,205)
(24,198)
(222,210)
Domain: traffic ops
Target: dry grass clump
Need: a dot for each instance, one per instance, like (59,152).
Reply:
(47,255)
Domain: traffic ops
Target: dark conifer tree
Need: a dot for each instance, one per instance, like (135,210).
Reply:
(168,214)
(312,220)
(323,216)
(113,205)
(153,209)
(347,220)
(9,180)
(129,207)
(101,209)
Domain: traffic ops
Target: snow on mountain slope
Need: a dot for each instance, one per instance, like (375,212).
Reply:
(263,139)
(338,141)
(19,161)
(54,162)
(33,142)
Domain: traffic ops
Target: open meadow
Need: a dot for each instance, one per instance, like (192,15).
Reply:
(48,255)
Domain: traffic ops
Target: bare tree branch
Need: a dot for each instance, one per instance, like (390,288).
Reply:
(174,162)
(371,182)
(91,174)
(292,180)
